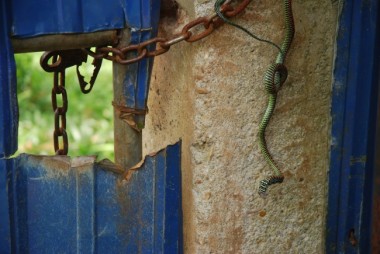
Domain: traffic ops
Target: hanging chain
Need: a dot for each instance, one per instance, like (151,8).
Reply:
(191,32)
(60,61)
(59,111)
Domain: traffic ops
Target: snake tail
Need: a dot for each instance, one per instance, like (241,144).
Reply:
(264,184)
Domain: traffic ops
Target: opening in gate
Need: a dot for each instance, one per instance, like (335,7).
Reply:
(89,116)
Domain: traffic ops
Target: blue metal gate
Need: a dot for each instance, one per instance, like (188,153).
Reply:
(58,204)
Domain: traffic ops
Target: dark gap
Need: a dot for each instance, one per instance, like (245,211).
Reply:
(169,9)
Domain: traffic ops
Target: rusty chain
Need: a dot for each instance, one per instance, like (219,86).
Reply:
(191,32)
(59,111)
(60,61)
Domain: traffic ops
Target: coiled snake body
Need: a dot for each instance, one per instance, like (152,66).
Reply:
(275,76)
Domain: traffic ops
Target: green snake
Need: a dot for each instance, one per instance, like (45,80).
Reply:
(275,76)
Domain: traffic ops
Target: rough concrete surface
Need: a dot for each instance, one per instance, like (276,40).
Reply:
(210,94)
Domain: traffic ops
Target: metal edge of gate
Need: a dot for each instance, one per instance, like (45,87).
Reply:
(354,110)
(8,92)
(8,121)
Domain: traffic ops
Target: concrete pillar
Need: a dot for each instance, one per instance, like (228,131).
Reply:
(211,95)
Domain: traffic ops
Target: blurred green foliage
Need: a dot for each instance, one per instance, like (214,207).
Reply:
(89,116)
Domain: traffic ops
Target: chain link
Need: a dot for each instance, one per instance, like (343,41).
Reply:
(191,32)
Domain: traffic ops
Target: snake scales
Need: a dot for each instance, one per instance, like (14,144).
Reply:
(274,78)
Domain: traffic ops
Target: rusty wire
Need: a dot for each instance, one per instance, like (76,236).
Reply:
(193,31)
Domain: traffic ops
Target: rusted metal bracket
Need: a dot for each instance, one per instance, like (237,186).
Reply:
(64,41)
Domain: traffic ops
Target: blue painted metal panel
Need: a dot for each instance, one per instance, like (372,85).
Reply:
(354,112)
(33,18)
(8,93)
(155,193)
(56,206)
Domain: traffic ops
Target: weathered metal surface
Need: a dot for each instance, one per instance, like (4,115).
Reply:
(137,79)
(59,205)
(354,108)
(127,141)
(8,93)
(131,83)
(64,41)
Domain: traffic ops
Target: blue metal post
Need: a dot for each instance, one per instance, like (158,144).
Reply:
(354,110)
(8,121)
(131,83)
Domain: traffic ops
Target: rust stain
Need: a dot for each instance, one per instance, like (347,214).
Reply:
(359,160)
(262,213)
(56,167)
(375,234)
(125,205)
(352,238)
(201,90)
(82,163)
(110,166)
(128,174)
(231,237)
(376,226)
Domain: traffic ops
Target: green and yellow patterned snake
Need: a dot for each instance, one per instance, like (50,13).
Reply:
(275,76)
